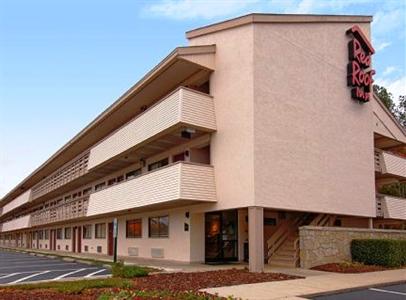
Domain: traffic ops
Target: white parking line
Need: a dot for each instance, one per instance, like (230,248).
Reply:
(67,274)
(9,275)
(28,277)
(42,265)
(387,291)
(94,273)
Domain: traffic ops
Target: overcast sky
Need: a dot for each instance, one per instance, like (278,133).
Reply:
(63,62)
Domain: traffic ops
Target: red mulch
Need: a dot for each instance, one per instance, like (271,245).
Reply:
(349,268)
(200,280)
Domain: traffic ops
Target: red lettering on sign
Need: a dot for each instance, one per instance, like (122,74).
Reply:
(359,73)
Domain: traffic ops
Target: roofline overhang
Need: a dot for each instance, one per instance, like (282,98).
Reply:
(179,53)
(276,18)
(396,121)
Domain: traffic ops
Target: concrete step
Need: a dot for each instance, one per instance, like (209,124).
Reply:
(284,264)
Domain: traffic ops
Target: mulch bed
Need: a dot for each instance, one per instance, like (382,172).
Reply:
(199,280)
(349,268)
(173,282)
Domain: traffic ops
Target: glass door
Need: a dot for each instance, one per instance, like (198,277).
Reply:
(221,243)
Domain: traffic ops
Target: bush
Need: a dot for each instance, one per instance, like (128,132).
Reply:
(123,271)
(382,252)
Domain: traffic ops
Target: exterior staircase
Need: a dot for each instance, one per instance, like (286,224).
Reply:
(283,246)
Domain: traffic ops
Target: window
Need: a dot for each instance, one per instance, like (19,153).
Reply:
(87,191)
(100,231)
(111,181)
(87,231)
(132,174)
(41,234)
(134,228)
(59,234)
(158,164)
(159,226)
(99,186)
(46,234)
(179,157)
(120,178)
(99,249)
(68,231)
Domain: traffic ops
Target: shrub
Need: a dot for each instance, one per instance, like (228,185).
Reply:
(382,252)
(123,271)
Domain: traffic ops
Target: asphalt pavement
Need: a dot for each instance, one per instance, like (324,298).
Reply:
(391,292)
(16,267)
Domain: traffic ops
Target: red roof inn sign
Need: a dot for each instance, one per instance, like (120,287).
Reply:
(359,71)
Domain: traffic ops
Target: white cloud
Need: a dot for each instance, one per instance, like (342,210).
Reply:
(382,45)
(313,6)
(189,9)
(397,87)
(387,21)
(389,70)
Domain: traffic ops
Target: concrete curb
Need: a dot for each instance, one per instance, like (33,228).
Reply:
(340,291)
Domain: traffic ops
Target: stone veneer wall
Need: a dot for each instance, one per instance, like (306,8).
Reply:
(322,245)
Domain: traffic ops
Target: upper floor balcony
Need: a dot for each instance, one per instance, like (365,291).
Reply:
(183,109)
(179,183)
(72,209)
(390,165)
(391,207)
(17,202)
(17,224)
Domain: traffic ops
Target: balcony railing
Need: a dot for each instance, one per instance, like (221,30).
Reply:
(70,171)
(16,224)
(74,209)
(183,107)
(186,182)
(389,163)
(20,200)
(391,207)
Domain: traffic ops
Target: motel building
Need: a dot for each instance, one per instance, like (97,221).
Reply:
(263,124)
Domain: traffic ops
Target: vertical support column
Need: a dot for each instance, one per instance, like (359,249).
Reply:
(256,238)
(371,223)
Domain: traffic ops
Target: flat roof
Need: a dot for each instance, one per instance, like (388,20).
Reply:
(276,18)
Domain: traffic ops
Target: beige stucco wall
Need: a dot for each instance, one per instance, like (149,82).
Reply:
(313,143)
(181,245)
(231,86)
(322,245)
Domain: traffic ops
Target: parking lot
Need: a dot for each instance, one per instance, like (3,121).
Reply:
(391,292)
(18,268)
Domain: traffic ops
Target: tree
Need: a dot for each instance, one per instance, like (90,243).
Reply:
(385,96)
(399,110)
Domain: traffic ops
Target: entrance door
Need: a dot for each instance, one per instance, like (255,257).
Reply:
(221,243)
(52,237)
(74,230)
(79,235)
(110,240)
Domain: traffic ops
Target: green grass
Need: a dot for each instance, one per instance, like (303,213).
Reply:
(77,286)
(128,271)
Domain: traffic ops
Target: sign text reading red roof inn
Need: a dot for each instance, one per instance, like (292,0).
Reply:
(359,74)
